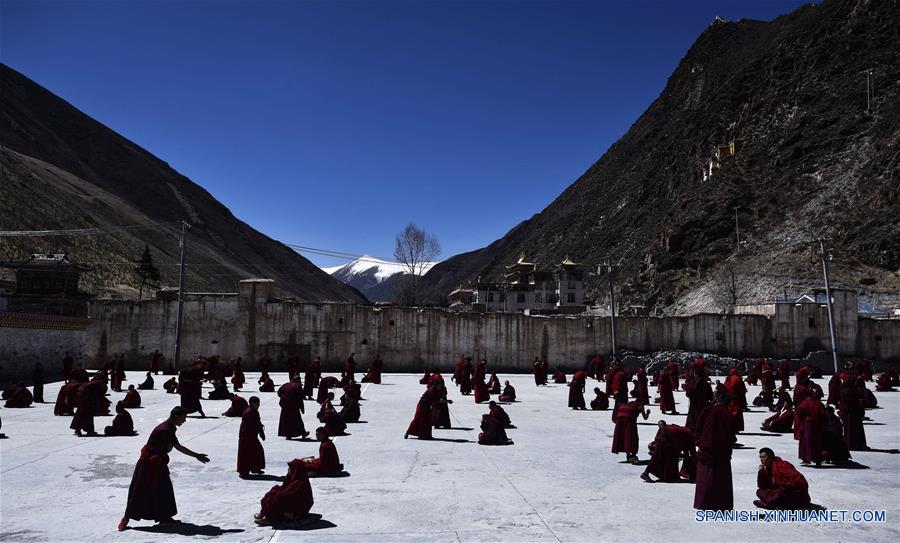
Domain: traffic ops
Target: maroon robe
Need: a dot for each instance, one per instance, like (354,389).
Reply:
(88,393)
(640,386)
(666,397)
(237,408)
(540,373)
(671,442)
(150,495)
(132,399)
(812,416)
(716,438)
(22,397)
(482,394)
(421,423)
(290,423)
(154,362)
(576,390)
(237,379)
(250,456)
(292,498)
(328,462)
(737,395)
(781,486)
(374,374)
(508,395)
(852,412)
(311,379)
(266,385)
(625,436)
(782,422)
(122,425)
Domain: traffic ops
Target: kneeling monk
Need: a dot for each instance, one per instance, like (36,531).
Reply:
(290,500)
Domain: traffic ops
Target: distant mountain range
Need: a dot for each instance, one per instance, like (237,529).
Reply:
(63,170)
(374,277)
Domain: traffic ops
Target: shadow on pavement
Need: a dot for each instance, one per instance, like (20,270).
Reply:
(186,528)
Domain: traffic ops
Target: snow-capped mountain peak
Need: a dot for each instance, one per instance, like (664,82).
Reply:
(370,274)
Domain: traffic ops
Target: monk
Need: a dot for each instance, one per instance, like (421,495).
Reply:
(350,409)
(559,376)
(576,390)
(122,424)
(641,391)
(374,373)
(671,442)
(440,411)
(493,384)
(265,383)
(237,378)
(465,377)
(220,390)
(146,385)
(479,387)
(20,397)
(264,362)
(65,404)
(349,373)
(540,372)
(88,393)
(426,378)
(508,394)
(619,387)
(189,388)
(500,414)
(737,395)
(421,423)
(291,500)
(150,495)
(601,401)
(328,462)
(493,431)
(812,417)
(154,362)
(37,382)
(784,373)
(884,383)
(251,458)
(852,411)
(780,485)
(328,415)
(625,436)
(118,373)
(715,439)
(237,408)
(311,378)
(290,423)
(325,383)
(666,395)
(767,394)
(132,398)
(699,393)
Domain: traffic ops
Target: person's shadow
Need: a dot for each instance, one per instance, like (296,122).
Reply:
(187,528)
(265,477)
(850,464)
(312,521)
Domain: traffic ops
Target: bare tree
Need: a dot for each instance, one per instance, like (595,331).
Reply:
(727,290)
(415,249)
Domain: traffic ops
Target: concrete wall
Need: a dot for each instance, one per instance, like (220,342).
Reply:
(28,339)
(411,339)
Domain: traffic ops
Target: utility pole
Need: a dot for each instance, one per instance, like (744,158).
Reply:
(612,304)
(737,230)
(823,245)
(177,361)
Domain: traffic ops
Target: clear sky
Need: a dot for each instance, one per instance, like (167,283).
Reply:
(334,124)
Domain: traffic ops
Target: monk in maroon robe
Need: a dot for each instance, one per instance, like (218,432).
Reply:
(63,404)
(37,382)
(641,391)
(426,378)
(328,462)
(671,443)
(325,383)
(154,362)
(190,390)
(784,373)
(421,423)
(21,397)
(311,378)
(666,396)
(576,390)
(265,383)
(251,458)
(699,393)
(290,423)
(291,500)
(465,377)
(600,401)
(496,411)
(716,437)
(540,372)
(508,394)
(237,408)
(493,384)
(883,384)
(852,411)
(559,376)
(171,386)
(625,436)
(328,415)
(737,398)
(132,398)
(122,424)
(811,415)
(349,373)
(150,495)
(237,379)
(440,411)
(780,485)
(67,362)
(374,373)
(836,451)
(88,394)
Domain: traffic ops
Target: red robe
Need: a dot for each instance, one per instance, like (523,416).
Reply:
(22,397)
(576,390)
(374,374)
(714,488)
(640,386)
(625,435)
(250,456)
(811,414)
(421,423)
(132,399)
(328,462)
(737,394)
(781,486)
(122,425)
(293,496)
(671,442)
(666,397)
(150,495)
(238,406)
(290,423)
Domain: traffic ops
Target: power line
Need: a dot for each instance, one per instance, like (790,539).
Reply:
(80,231)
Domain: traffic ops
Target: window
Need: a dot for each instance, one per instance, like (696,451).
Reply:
(571,284)
(571,298)
(490,296)
(812,322)
(520,297)
(538,297)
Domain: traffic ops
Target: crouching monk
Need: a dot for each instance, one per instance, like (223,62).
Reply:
(289,501)
(150,495)
(781,486)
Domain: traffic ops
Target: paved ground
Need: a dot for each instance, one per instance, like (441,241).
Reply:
(558,482)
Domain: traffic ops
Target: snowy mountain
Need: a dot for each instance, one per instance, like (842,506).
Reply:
(371,276)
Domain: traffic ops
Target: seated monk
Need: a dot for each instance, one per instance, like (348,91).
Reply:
(500,414)
(265,383)
(328,462)
(132,398)
(291,500)
(671,443)
(559,376)
(601,402)
(220,391)
(350,410)
(782,423)
(508,394)
(122,424)
(492,431)
(238,406)
(147,384)
(20,397)
(884,383)
(780,485)
(329,416)
(869,399)
(836,451)
(171,386)
(493,384)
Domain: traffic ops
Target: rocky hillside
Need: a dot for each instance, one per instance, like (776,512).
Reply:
(63,170)
(809,160)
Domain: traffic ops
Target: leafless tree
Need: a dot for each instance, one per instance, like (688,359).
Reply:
(727,289)
(415,249)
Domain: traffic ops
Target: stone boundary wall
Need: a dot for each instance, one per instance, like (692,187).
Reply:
(26,339)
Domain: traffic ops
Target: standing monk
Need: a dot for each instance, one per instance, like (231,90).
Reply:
(482,394)
(625,435)
(190,390)
(852,411)
(640,386)
(699,392)
(154,362)
(37,379)
(784,373)
(714,444)
(666,397)
(290,424)
(421,423)
(67,366)
(251,458)
(540,372)
(150,495)
(311,379)
(237,379)
(737,394)
(576,390)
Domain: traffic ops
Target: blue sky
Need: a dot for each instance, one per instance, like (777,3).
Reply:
(333,124)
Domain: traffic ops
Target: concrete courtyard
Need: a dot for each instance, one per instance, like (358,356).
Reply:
(558,482)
